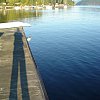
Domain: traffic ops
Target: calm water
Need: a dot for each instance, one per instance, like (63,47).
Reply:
(66,47)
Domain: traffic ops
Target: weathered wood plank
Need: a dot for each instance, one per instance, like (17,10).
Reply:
(19,79)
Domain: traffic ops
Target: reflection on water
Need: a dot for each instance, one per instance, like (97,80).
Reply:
(12,15)
(66,47)
(89,8)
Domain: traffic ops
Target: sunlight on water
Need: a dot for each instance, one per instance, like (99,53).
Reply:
(65,44)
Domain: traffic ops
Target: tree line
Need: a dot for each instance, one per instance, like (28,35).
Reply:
(34,2)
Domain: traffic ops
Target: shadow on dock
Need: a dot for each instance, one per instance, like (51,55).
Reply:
(18,66)
(1,33)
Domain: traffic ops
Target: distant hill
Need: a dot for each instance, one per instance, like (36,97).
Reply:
(89,2)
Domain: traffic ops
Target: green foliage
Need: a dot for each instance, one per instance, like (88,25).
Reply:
(38,2)
(9,15)
(70,2)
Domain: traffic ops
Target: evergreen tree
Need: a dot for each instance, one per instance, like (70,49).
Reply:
(37,2)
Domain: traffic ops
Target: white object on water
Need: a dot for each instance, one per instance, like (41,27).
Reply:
(17,8)
(65,6)
(48,7)
(13,24)
(29,38)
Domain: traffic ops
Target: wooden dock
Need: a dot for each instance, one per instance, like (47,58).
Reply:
(19,79)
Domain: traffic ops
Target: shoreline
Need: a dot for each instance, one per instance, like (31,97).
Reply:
(39,76)
(26,7)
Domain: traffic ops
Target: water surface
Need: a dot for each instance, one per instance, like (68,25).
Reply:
(66,46)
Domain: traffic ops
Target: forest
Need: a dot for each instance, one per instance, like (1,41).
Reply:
(34,2)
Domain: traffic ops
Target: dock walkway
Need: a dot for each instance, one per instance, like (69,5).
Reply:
(19,79)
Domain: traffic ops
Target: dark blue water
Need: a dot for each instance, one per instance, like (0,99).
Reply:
(66,47)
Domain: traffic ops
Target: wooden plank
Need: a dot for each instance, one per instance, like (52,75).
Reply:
(19,79)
